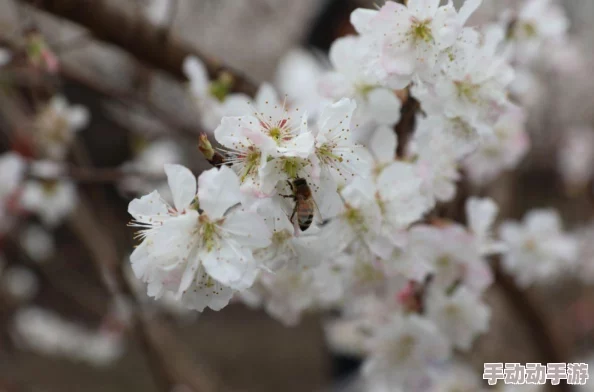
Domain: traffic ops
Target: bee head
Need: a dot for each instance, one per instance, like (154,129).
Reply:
(299,182)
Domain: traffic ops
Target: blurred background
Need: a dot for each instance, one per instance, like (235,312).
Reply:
(135,97)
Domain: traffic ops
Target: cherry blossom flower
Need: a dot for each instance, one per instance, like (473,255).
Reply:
(199,248)
(287,249)
(471,81)
(289,292)
(269,145)
(375,103)
(538,250)
(213,98)
(297,76)
(401,352)
(536,23)
(410,36)
(460,316)
(452,254)
(335,151)
(503,150)
(55,127)
(51,200)
(436,162)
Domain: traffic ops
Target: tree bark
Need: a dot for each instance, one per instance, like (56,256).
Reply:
(149,44)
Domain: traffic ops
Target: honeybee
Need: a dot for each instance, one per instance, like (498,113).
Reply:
(305,205)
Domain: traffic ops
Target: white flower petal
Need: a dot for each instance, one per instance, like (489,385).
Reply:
(383,106)
(248,229)
(383,145)
(148,208)
(183,185)
(218,190)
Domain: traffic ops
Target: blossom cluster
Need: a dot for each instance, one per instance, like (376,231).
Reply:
(310,207)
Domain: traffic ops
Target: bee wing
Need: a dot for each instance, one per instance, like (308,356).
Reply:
(318,219)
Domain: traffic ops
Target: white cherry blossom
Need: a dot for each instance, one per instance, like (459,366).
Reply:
(55,127)
(538,249)
(401,352)
(213,98)
(51,200)
(286,294)
(297,75)
(375,103)
(268,145)
(501,151)
(335,151)
(460,317)
(452,254)
(198,248)
(536,23)
(409,37)
(471,81)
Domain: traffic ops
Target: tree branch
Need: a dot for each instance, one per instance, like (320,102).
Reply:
(139,38)
(548,343)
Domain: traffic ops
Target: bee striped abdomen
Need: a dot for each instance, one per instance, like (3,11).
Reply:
(305,222)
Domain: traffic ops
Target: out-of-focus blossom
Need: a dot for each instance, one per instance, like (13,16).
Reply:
(214,99)
(46,333)
(536,23)
(38,243)
(147,168)
(157,11)
(460,316)
(401,351)
(19,283)
(576,158)
(51,200)
(297,75)
(5,56)
(39,53)
(12,169)
(286,294)
(375,103)
(55,127)
(538,249)
(501,151)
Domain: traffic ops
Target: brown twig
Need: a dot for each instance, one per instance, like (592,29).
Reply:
(405,127)
(164,354)
(145,42)
(106,262)
(547,342)
(96,175)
